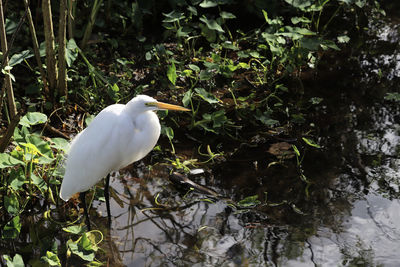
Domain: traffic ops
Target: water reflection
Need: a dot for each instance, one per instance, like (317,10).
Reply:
(348,217)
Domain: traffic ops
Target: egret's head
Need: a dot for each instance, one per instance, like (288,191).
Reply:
(144,103)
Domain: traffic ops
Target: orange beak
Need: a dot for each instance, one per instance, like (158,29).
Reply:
(161,105)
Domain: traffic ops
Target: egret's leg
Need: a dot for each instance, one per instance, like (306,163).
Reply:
(82,196)
(107,197)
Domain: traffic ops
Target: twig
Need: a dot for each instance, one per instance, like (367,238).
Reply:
(7,78)
(56,131)
(92,19)
(36,49)
(62,31)
(50,46)
(21,21)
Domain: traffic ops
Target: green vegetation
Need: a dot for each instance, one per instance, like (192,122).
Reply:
(237,64)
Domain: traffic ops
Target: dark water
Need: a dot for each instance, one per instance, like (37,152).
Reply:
(349,214)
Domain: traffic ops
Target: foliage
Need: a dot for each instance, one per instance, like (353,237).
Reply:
(236,74)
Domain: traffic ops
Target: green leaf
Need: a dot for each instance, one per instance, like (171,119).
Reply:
(33,118)
(18,58)
(84,247)
(276,21)
(304,31)
(208,97)
(229,45)
(310,43)
(296,150)
(11,204)
(148,56)
(329,44)
(208,4)
(71,52)
(39,182)
(212,24)
(227,15)
(300,4)
(192,10)
(74,229)
(173,16)
(12,229)
(316,100)
(17,179)
(168,131)
(266,16)
(17,261)
(11,26)
(193,67)
(265,118)
(392,97)
(51,258)
(311,142)
(343,39)
(296,20)
(60,144)
(210,35)
(8,161)
(250,201)
(45,151)
(187,98)
(205,75)
(171,73)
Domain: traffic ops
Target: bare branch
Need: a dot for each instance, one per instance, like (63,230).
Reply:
(62,31)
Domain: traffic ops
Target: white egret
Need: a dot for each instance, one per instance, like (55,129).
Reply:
(118,136)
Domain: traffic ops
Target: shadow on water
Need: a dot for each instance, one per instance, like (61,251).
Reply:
(347,216)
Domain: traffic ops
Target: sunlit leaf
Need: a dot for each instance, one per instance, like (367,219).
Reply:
(296,150)
(19,57)
(60,144)
(84,247)
(227,15)
(171,73)
(192,10)
(310,142)
(208,97)
(296,20)
(208,4)
(248,202)
(7,160)
(17,261)
(33,118)
(173,16)
(343,39)
(193,67)
(51,258)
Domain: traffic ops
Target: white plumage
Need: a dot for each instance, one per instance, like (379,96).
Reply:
(118,136)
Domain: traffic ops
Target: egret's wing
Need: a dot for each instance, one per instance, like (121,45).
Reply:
(95,152)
